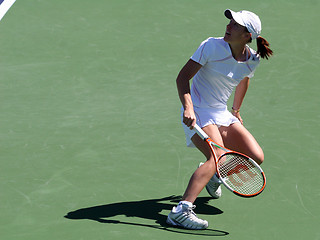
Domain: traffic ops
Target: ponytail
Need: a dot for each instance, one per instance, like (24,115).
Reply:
(263,48)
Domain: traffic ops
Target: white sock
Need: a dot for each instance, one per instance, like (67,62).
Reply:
(179,207)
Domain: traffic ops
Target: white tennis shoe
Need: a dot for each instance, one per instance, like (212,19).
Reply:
(213,186)
(186,217)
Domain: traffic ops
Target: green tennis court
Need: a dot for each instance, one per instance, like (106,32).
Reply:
(91,142)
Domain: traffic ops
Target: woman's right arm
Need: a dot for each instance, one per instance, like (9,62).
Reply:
(183,85)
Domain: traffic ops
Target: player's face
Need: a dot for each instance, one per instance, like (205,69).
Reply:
(236,33)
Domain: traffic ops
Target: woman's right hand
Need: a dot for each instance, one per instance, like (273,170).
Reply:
(189,118)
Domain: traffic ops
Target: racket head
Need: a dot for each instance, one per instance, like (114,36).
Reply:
(240,174)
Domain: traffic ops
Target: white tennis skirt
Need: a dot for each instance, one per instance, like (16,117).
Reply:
(208,116)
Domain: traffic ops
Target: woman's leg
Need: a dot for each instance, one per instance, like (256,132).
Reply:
(238,138)
(183,215)
(203,174)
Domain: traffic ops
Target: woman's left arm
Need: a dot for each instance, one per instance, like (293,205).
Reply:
(239,94)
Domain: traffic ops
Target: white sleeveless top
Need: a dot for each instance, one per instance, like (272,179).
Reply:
(220,73)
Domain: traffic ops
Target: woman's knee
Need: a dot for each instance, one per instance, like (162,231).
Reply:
(258,157)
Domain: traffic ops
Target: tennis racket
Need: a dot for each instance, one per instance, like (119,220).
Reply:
(238,173)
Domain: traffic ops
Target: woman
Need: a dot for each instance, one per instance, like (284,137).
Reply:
(217,67)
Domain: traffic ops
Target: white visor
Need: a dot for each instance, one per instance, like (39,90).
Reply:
(247,19)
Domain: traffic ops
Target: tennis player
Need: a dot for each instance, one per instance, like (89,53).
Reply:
(218,66)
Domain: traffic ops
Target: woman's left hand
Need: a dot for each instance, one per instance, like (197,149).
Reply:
(237,115)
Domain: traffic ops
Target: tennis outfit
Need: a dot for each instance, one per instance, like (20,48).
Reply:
(214,83)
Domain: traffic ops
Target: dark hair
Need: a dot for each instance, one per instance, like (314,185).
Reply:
(263,48)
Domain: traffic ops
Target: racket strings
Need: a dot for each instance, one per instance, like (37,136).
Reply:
(240,174)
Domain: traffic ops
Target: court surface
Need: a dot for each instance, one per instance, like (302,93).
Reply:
(91,142)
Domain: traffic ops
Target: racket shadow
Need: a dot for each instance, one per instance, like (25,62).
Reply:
(146,209)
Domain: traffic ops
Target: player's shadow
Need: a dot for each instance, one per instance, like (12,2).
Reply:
(146,209)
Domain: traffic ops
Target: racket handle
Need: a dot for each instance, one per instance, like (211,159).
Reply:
(200,132)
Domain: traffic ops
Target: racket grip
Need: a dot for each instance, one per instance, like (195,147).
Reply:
(200,132)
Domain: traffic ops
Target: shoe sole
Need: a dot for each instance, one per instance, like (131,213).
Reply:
(176,224)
